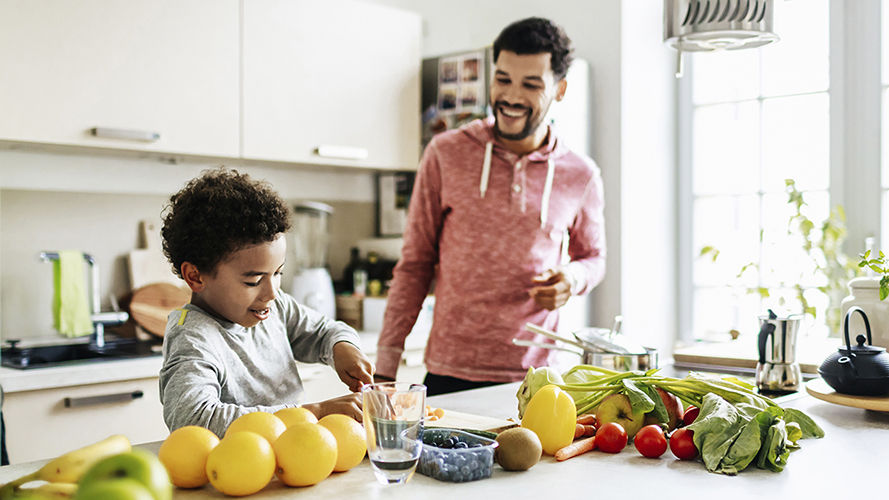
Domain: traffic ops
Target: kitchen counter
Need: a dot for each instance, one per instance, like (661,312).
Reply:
(849,461)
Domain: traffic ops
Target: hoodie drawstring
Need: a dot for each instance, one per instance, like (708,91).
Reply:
(547,187)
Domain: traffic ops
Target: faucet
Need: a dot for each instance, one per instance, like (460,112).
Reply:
(100,319)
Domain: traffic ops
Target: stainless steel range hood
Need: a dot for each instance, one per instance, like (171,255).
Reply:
(708,25)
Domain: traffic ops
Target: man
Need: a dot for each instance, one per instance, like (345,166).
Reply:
(491,204)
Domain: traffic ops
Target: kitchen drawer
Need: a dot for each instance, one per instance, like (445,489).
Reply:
(46,423)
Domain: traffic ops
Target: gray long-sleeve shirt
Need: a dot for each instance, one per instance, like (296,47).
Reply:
(215,371)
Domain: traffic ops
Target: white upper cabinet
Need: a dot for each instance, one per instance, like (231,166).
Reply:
(152,75)
(332,82)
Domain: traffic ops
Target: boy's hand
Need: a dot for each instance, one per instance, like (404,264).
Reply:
(349,405)
(352,366)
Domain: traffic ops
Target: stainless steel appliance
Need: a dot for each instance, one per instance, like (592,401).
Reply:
(777,370)
(312,285)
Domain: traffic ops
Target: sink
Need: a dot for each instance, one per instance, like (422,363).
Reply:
(25,358)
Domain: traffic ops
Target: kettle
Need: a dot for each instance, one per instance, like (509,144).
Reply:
(777,370)
(861,370)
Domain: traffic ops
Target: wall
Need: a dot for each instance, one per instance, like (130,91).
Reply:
(94,202)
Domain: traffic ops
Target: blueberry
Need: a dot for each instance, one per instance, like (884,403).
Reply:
(461,445)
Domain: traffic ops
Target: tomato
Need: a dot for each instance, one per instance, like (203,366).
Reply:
(691,413)
(651,441)
(611,437)
(682,444)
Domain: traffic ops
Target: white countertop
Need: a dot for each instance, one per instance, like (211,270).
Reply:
(848,462)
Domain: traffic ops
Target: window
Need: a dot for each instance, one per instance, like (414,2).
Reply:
(757,117)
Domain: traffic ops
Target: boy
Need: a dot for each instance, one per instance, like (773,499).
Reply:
(233,349)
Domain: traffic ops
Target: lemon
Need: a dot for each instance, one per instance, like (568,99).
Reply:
(351,445)
(241,464)
(184,454)
(306,454)
(260,422)
(292,416)
(551,414)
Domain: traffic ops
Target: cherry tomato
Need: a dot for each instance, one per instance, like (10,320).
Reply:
(682,444)
(691,413)
(611,437)
(651,441)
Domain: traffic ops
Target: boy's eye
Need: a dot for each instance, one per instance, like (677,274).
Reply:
(253,284)
(503,81)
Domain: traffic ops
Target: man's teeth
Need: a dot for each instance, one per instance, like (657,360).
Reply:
(512,113)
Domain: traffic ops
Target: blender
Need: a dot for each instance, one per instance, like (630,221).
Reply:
(312,285)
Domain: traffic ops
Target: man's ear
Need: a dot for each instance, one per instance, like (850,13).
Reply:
(192,276)
(560,90)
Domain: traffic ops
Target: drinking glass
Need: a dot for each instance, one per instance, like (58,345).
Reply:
(393,422)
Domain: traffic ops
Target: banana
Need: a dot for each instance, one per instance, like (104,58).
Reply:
(47,491)
(69,467)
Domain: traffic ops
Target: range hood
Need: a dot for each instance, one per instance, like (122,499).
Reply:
(708,25)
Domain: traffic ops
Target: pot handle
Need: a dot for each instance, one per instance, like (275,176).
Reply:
(846,325)
(767,328)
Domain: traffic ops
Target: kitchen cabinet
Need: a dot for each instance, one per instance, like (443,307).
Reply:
(45,423)
(157,75)
(334,82)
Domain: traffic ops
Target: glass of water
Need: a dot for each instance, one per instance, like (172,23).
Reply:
(393,422)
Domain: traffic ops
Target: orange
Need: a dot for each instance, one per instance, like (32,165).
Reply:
(292,416)
(184,454)
(306,454)
(260,422)
(241,464)
(351,444)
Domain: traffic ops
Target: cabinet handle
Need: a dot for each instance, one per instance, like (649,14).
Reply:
(125,134)
(104,398)
(341,152)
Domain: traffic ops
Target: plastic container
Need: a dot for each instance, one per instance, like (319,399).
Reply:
(864,292)
(456,456)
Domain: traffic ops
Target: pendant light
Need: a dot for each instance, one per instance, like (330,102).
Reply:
(708,25)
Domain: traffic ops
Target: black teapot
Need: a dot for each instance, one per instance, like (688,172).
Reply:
(861,370)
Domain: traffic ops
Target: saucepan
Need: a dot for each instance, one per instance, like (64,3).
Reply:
(591,355)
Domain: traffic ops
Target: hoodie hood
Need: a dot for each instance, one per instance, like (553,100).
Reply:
(482,132)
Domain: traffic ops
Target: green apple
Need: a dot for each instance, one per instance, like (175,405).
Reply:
(617,408)
(123,488)
(139,465)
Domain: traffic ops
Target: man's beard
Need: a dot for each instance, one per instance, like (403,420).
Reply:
(532,122)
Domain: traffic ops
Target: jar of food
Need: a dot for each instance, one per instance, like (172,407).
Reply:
(864,292)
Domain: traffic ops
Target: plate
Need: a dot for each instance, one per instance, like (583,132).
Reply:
(819,389)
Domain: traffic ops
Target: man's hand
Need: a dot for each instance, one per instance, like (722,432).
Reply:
(350,405)
(352,366)
(553,289)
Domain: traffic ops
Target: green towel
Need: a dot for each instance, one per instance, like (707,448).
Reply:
(71,312)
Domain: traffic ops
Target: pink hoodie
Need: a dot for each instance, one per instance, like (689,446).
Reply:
(475,224)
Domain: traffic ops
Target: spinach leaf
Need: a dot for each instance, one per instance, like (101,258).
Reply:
(746,447)
(807,425)
(638,399)
(774,452)
(715,430)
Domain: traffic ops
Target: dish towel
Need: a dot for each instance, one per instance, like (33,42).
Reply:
(71,313)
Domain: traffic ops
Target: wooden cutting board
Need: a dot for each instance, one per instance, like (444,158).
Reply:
(819,389)
(152,303)
(458,420)
(149,265)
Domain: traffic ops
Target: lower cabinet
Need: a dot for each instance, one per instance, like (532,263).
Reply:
(46,423)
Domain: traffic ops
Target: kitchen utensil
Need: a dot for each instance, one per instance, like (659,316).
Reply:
(864,292)
(531,327)
(819,389)
(458,420)
(611,341)
(149,264)
(612,361)
(861,370)
(393,422)
(312,284)
(777,370)
(152,303)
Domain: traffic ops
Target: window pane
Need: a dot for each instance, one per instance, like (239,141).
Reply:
(731,226)
(718,310)
(800,61)
(726,148)
(796,142)
(725,76)
(885,138)
(885,52)
(784,261)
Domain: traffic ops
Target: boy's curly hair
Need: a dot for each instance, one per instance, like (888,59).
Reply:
(217,214)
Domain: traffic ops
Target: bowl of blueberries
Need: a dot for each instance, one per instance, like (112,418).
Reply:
(456,456)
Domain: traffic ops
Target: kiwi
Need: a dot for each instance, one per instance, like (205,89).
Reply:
(519,449)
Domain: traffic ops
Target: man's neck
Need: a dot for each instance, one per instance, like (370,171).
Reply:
(528,144)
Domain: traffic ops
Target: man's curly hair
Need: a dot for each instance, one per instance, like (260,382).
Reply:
(536,35)
(217,214)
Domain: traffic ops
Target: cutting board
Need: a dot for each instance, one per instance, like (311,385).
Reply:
(743,353)
(152,303)
(148,265)
(458,420)
(819,389)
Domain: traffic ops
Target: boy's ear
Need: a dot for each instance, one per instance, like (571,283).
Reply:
(192,276)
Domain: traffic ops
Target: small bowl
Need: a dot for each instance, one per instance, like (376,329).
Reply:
(471,459)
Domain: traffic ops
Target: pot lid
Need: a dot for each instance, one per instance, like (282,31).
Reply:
(862,348)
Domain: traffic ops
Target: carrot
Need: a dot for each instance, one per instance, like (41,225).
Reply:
(576,448)
(578,431)
(588,430)
(588,419)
